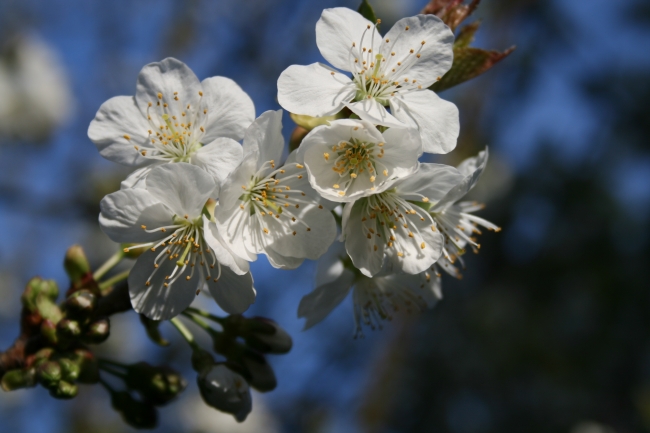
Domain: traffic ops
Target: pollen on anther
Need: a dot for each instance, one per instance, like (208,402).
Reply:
(127,137)
(385,172)
(423,42)
(320,206)
(326,156)
(387,40)
(332,73)
(341,193)
(418,56)
(143,227)
(266,230)
(186,216)
(407,27)
(159,95)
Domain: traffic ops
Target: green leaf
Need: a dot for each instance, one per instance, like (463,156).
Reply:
(366,10)
(466,35)
(469,63)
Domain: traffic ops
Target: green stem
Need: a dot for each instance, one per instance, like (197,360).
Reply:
(185,333)
(113,280)
(205,314)
(108,265)
(199,322)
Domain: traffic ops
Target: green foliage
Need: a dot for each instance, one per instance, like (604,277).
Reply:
(367,11)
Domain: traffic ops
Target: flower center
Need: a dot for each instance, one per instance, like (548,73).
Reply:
(381,76)
(176,129)
(354,158)
(269,195)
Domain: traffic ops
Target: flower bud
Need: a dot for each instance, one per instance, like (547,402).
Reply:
(37,287)
(226,391)
(48,330)
(76,264)
(80,303)
(201,360)
(64,390)
(70,370)
(19,378)
(260,374)
(41,356)
(97,332)
(49,374)
(266,336)
(88,366)
(156,384)
(134,412)
(68,330)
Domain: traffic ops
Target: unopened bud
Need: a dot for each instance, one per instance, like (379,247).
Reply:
(64,390)
(156,384)
(48,330)
(42,356)
(97,332)
(88,366)
(49,374)
(19,378)
(201,360)
(266,336)
(70,370)
(80,303)
(68,331)
(226,391)
(260,374)
(36,288)
(76,264)
(134,412)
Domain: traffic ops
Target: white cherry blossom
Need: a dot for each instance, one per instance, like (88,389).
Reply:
(183,252)
(349,159)
(454,217)
(174,117)
(393,71)
(394,228)
(375,299)
(271,209)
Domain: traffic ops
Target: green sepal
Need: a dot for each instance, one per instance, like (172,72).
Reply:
(367,11)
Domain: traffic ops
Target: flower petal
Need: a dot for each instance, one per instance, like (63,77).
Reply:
(337,29)
(169,81)
(462,188)
(436,119)
(183,187)
(230,109)
(137,178)
(432,181)
(224,255)
(408,254)
(330,265)
(319,303)
(428,36)
(314,90)
(117,127)
(233,227)
(234,293)
(218,158)
(156,301)
(372,111)
(124,212)
(264,137)
(367,253)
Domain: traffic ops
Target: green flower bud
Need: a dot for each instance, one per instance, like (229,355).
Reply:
(49,374)
(76,264)
(156,384)
(225,390)
(19,378)
(42,355)
(64,390)
(260,375)
(70,369)
(88,366)
(201,360)
(137,414)
(68,329)
(266,336)
(80,303)
(97,332)
(48,330)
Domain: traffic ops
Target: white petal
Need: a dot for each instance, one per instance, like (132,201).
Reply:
(337,29)
(401,152)
(234,293)
(470,165)
(372,111)
(233,227)
(436,55)
(414,259)
(280,261)
(461,189)
(231,189)
(313,91)
(432,181)
(117,127)
(230,109)
(224,255)
(319,303)
(436,119)
(264,137)
(184,188)
(137,178)
(361,248)
(124,212)
(156,301)
(171,78)
(330,265)
(218,158)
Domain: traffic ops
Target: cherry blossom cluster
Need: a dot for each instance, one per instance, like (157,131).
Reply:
(211,189)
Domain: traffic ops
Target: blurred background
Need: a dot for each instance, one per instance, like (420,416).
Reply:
(549,331)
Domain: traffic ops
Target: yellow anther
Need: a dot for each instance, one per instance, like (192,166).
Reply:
(400,254)
(326,156)
(385,172)
(159,95)
(353,175)
(341,193)
(336,186)
(407,28)
(128,137)
(372,178)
